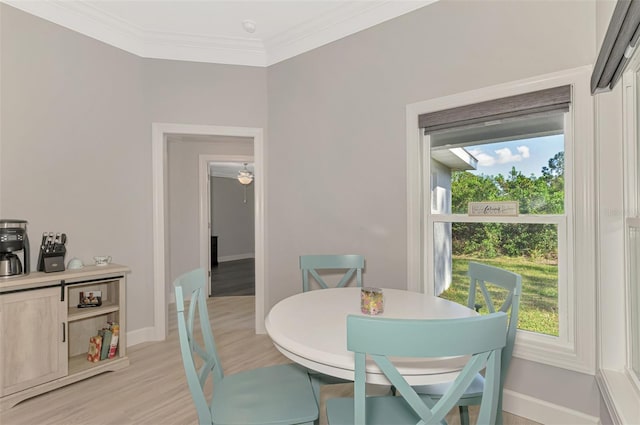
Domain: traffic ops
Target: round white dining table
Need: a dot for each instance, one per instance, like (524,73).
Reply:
(310,328)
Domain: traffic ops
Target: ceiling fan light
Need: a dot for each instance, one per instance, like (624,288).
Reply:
(244,176)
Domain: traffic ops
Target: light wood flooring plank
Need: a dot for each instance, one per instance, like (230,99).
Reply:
(153,389)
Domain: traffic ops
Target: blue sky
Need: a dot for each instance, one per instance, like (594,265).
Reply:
(527,155)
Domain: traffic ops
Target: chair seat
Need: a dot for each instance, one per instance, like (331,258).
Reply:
(435,391)
(260,396)
(380,410)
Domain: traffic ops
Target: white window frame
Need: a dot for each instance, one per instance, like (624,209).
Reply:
(575,348)
(619,386)
(631,102)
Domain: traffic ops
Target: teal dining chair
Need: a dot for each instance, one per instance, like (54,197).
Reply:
(493,284)
(350,264)
(387,340)
(310,265)
(270,395)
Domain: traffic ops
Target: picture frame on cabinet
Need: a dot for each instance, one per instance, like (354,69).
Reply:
(90,299)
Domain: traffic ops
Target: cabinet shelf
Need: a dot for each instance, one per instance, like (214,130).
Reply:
(80,363)
(75,313)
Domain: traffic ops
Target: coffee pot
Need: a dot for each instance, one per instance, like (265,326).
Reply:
(13,239)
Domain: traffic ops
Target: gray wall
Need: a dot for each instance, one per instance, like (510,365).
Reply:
(76,137)
(339,112)
(232,219)
(75,146)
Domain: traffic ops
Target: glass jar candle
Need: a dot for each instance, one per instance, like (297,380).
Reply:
(371,301)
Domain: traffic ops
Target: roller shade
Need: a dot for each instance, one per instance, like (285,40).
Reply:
(556,99)
(618,45)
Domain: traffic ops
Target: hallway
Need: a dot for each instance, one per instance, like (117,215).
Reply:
(231,278)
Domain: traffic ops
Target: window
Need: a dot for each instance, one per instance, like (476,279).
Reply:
(452,161)
(619,298)
(634,299)
(631,109)
(530,171)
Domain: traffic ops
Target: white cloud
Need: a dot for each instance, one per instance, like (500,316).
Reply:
(524,151)
(484,159)
(505,156)
(502,156)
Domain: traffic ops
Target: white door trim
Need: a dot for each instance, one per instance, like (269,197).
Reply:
(159,132)
(205,202)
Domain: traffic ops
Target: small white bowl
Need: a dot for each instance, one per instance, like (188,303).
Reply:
(75,264)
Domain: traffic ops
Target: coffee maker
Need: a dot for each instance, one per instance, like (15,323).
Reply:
(13,239)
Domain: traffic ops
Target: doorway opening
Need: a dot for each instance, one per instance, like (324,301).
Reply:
(161,269)
(231,227)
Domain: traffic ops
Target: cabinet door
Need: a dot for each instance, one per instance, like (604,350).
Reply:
(33,347)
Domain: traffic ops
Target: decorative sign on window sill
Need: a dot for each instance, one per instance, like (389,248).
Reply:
(502,209)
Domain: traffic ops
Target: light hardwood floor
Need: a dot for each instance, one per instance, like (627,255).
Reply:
(153,390)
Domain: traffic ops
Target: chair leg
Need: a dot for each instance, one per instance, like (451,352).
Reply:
(464,415)
(315,386)
(499,412)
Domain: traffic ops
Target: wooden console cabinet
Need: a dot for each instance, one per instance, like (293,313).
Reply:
(44,336)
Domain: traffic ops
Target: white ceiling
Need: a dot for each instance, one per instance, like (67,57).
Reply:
(212,30)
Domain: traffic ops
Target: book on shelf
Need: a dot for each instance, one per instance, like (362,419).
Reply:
(95,347)
(113,344)
(106,342)
(104,345)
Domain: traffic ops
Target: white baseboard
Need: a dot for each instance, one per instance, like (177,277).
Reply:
(235,257)
(620,396)
(544,412)
(141,335)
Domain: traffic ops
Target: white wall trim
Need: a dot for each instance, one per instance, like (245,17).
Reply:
(92,21)
(577,352)
(159,163)
(349,18)
(620,395)
(236,257)
(415,280)
(619,387)
(544,412)
(141,335)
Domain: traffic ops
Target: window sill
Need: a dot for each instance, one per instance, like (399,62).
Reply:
(620,394)
(549,351)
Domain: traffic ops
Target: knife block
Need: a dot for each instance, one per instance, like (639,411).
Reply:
(51,261)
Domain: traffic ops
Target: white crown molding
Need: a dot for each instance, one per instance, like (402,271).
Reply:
(95,23)
(345,20)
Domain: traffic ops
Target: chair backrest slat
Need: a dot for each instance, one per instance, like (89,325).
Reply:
(482,275)
(194,285)
(349,264)
(480,337)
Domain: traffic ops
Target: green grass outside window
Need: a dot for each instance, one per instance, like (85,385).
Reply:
(539,300)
